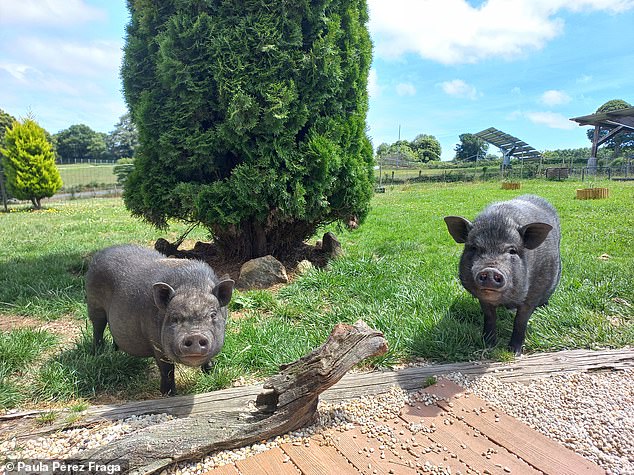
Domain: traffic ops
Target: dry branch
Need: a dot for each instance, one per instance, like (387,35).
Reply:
(288,402)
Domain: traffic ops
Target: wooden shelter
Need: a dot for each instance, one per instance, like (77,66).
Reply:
(613,122)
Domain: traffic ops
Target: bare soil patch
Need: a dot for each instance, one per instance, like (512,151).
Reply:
(68,329)
(223,265)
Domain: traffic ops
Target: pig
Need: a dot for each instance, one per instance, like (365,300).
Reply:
(511,258)
(172,309)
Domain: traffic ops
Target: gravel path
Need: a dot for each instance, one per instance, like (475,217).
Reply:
(590,413)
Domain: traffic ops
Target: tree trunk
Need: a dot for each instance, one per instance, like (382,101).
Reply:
(252,239)
(289,401)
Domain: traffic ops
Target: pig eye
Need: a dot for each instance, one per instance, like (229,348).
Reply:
(513,251)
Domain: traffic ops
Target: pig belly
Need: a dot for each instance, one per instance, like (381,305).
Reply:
(131,338)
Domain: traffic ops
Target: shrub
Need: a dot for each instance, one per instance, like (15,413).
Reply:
(29,163)
(251,117)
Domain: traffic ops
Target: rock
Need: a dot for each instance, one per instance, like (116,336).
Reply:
(303,266)
(261,273)
(331,245)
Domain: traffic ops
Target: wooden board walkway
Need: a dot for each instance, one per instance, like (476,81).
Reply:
(470,436)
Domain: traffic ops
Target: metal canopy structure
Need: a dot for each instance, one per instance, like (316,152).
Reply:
(510,146)
(614,122)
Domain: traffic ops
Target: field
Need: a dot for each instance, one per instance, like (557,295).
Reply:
(399,274)
(85,174)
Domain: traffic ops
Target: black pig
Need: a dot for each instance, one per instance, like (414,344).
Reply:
(511,258)
(172,309)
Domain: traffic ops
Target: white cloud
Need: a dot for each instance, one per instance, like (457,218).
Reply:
(95,58)
(551,119)
(374,90)
(405,89)
(18,71)
(554,98)
(454,32)
(459,88)
(584,79)
(56,13)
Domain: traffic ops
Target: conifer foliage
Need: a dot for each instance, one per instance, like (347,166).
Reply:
(29,163)
(251,117)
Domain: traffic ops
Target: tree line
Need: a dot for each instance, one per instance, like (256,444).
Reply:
(80,143)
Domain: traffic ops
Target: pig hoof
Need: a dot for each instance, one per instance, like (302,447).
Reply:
(208,367)
(516,351)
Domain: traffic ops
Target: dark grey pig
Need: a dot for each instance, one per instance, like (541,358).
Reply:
(172,309)
(511,258)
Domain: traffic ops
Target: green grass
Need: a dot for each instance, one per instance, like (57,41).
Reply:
(82,174)
(18,351)
(399,274)
(80,373)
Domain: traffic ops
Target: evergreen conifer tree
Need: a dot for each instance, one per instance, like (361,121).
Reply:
(29,163)
(251,117)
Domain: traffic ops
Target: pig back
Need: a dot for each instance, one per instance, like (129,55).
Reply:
(523,210)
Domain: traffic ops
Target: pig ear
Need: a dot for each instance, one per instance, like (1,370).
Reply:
(222,291)
(458,227)
(534,234)
(163,293)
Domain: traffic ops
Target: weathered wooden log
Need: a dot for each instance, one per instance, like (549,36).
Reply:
(527,368)
(288,402)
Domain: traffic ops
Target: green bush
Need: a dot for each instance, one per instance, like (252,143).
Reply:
(251,117)
(122,169)
(29,163)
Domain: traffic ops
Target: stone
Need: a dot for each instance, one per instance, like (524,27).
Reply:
(261,273)
(331,245)
(303,266)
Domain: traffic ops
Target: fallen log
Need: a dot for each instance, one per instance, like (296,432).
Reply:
(288,401)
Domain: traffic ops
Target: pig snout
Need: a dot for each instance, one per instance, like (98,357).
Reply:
(194,349)
(195,344)
(490,278)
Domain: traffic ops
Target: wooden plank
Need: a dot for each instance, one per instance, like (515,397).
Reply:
(536,449)
(418,443)
(527,368)
(470,447)
(365,453)
(229,469)
(271,462)
(318,460)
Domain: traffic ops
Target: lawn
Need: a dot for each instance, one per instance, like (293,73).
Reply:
(84,174)
(399,274)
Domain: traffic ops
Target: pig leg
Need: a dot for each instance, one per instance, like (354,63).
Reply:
(519,328)
(490,317)
(166,367)
(97,316)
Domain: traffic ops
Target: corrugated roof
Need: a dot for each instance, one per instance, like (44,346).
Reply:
(511,146)
(609,120)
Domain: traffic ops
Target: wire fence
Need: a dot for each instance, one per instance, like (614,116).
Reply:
(403,175)
(91,180)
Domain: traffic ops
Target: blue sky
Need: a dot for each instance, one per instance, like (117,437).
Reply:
(441,67)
